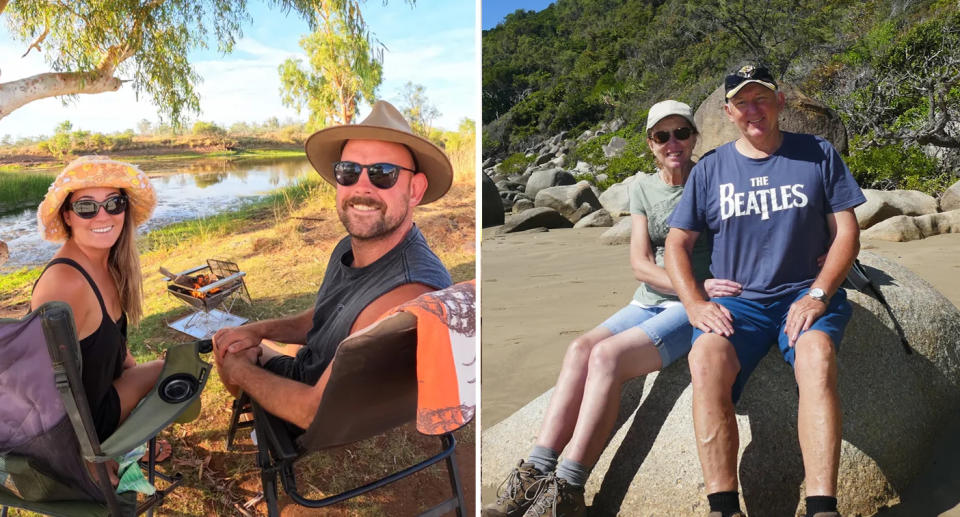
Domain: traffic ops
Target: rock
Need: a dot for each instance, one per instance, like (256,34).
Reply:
(614,147)
(4,252)
(801,115)
(884,204)
(540,180)
(533,218)
(616,199)
(893,407)
(492,205)
(903,228)
(583,167)
(543,158)
(572,201)
(586,135)
(521,204)
(488,163)
(600,218)
(619,234)
(950,200)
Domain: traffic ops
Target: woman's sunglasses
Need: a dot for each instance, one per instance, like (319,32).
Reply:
(382,175)
(681,133)
(88,208)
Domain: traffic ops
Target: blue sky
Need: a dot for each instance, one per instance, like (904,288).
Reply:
(495,10)
(433,44)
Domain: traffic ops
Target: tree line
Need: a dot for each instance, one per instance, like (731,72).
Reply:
(891,68)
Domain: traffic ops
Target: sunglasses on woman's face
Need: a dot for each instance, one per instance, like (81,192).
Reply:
(382,175)
(88,208)
(681,133)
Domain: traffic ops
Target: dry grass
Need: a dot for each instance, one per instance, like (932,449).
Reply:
(283,247)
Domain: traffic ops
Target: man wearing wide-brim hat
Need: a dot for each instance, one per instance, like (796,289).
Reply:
(381,171)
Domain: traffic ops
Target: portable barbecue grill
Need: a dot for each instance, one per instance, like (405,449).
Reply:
(210,290)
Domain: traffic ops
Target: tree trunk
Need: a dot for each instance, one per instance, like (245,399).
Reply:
(15,94)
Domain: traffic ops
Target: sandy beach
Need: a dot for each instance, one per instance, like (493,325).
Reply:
(542,289)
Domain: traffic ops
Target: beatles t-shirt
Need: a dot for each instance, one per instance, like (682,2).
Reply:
(768,216)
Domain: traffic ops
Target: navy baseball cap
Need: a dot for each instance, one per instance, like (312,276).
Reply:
(746,75)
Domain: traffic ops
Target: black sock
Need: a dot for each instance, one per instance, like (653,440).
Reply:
(820,503)
(727,503)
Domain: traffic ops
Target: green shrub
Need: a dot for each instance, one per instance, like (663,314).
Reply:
(636,155)
(201,128)
(516,163)
(891,167)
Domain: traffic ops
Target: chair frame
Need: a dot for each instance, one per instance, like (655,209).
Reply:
(61,340)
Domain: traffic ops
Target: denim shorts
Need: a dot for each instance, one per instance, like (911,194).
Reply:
(666,326)
(757,326)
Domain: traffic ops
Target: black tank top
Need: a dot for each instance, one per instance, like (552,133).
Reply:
(103,352)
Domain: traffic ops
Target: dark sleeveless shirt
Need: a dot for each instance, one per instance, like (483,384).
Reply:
(102,353)
(346,291)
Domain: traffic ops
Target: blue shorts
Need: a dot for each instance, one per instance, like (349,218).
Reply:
(756,326)
(668,327)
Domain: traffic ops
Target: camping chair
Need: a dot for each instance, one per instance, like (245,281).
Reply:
(46,428)
(373,387)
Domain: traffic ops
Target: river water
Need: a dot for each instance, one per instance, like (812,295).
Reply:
(185,190)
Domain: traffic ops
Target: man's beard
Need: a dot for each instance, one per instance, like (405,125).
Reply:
(369,230)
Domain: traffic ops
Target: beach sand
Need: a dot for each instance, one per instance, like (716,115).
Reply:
(542,289)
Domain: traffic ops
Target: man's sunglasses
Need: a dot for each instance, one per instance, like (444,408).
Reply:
(382,175)
(681,133)
(88,208)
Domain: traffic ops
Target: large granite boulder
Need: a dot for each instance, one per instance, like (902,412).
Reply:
(572,201)
(616,199)
(801,115)
(535,218)
(904,228)
(491,204)
(619,234)
(615,147)
(950,200)
(884,204)
(522,203)
(542,179)
(894,404)
(599,219)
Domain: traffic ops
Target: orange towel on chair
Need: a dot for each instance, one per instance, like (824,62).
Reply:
(446,357)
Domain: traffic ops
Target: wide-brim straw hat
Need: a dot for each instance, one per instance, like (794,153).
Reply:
(95,171)
(384,123)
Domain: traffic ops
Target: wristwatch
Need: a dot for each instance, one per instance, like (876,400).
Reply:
(817,294)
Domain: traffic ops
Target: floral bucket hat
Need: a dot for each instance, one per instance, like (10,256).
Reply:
(95,171)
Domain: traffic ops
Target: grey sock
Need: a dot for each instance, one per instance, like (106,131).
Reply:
(574,472)
(543,458)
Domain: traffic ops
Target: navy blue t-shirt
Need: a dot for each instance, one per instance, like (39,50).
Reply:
(768,215)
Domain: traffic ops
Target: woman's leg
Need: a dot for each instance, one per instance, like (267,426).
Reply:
(613,361)
(135,383)
(561,415)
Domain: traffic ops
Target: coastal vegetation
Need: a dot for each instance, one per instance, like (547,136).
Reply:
(890,69)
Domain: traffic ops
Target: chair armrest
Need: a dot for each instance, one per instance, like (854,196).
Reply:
(153,414)
(274,433)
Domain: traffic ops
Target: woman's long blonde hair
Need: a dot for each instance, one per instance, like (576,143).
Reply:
(124,266)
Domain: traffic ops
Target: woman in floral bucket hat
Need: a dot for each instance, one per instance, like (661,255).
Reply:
(94,207)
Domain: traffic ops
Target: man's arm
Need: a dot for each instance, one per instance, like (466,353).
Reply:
(844,247)
(272,391)
(290,330)
(702,313)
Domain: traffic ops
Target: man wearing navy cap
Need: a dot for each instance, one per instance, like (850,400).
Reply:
(779,206)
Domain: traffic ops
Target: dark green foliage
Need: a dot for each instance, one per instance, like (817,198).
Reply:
(516,163)
(580,62)
(636,155)
(896,167)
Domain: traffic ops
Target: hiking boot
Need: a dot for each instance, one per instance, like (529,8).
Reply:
(555,498)
(511,498)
